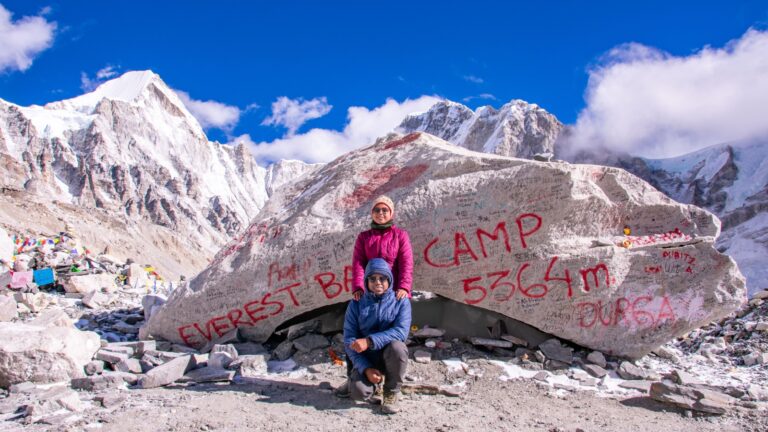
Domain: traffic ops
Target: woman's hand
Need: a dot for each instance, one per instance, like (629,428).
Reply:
(374,375)
(360,345)
(357,295)
(401,294)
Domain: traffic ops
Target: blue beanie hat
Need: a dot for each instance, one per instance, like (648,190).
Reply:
(380,266)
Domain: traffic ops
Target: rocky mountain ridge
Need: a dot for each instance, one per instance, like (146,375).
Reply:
(133,153)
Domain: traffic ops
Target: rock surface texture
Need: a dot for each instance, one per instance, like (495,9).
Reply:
(43,354)
(540,242)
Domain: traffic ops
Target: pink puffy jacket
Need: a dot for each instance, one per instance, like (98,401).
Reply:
(391,244)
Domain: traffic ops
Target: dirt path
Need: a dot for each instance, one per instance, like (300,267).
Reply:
(306,403)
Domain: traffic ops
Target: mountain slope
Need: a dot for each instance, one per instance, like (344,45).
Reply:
(133,151)
(517,129)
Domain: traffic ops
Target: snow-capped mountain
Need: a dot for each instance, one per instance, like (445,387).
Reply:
(518,129)
(131,148)
(730,180)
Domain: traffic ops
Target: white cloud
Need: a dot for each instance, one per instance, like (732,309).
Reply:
(87,84)
(211,114)
(21,41)
(485,96)
(474,79)
(106,72)
(651,103)
(323,145)
(292,113)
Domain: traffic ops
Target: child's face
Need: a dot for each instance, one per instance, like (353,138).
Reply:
(377,283)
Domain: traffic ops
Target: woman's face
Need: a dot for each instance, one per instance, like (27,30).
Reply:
(381,214)
(378,283)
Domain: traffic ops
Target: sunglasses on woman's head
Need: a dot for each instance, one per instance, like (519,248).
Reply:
(383,210)
(376,279)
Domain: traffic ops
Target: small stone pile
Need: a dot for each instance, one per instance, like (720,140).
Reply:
(740,339)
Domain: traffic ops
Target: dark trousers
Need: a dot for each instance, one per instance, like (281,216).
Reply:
(393,364)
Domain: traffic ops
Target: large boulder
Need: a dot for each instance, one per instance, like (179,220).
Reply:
(541,242)
(43,354)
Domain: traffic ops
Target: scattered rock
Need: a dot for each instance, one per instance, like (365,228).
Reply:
(691,398)
(515,340)
(498,343)
(98,382)
(209,374)
(421,356)
(283,351)
(249,366)
(597,358)
(640,385)
(595,370)
(48,354)
(310,341)
(554,350)
(94,367)
(429,332)
(629,371)
(166,373)
(8,308)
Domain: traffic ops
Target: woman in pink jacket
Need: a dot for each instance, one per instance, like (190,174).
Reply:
(383,240)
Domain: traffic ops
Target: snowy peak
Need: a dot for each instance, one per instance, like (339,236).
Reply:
(517,129)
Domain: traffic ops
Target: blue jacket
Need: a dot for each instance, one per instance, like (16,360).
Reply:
(381,318)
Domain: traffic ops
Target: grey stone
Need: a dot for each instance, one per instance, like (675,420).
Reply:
(541,376)
(691,398)
(127,377)
(88,283)
(126,328)
(554,365)
(554,350)
(498,343)
(629,371)
(166,373)
(111,356)
(684,378)
(596,357)
(515,340)
(761,294)
(428,176)
(595,370)
(98,382)
(48,354)
(640,385)
(24,387)
(283,351)
(209,374)
(94,367)
(96,300)
(429,332)
(249,348)
(52,318)
(117,347)
(152,303)
(310,342)
(220,360)
(225,348)
(8,309)
(138,347)
(298,330)
(421,356)
(251,365)
(131,365)
(227,338)
(110,400)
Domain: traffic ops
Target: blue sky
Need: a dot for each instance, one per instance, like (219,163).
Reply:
(343,54)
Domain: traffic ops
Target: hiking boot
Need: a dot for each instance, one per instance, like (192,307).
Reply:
(389,404)
(343,391)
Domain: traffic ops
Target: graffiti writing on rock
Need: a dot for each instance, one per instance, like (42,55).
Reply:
(331,286)
(656,239)
(381,181)
(270,304)
(527,225)
(505,283)
(640,311)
